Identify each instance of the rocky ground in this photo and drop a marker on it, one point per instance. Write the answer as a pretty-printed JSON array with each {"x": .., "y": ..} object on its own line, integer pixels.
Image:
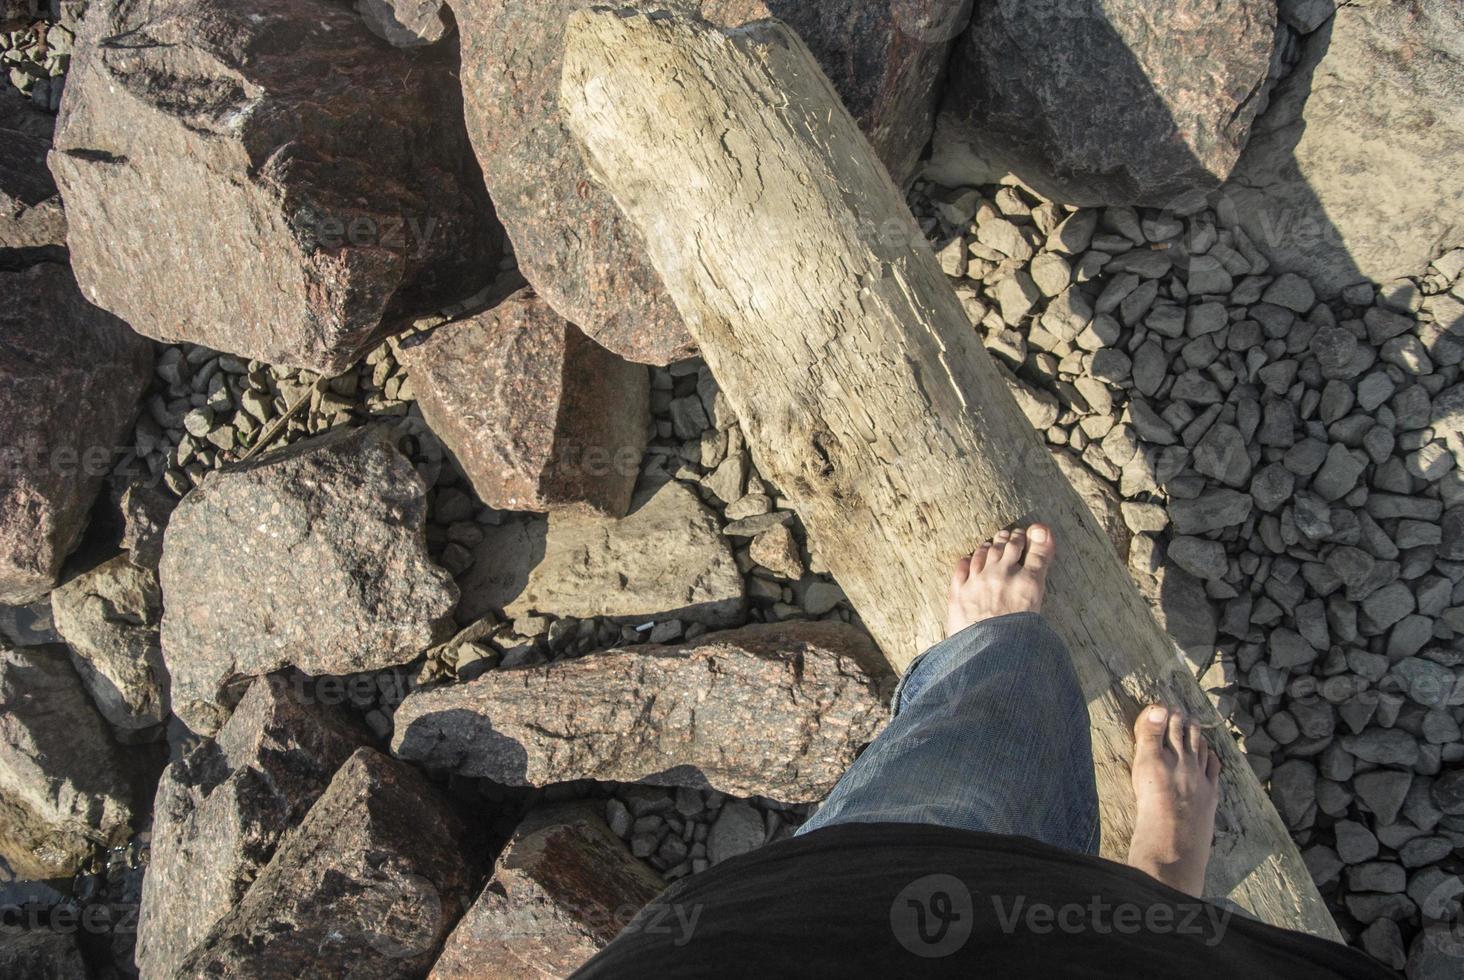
[{"x": 339, "y": 504}]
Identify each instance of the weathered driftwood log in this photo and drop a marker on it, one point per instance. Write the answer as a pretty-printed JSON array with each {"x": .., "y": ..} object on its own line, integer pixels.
[{"x": 865, "y": 394}]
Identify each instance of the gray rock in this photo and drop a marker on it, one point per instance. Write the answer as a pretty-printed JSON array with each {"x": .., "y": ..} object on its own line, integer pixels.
[
  {"x": 666, "y": 560},
  {"x": 405, "y": 23},
  {"x": 187, "y": 221},
  {"x": 70, "y": 379},
  {"x": 1291, "y": 292},
  {"x": 770, "y": 710},
  {"x": 1201, "y": 558},
  {"x": 1211, "y": 511},
  {"x": 737, "y": 830},
  {"x": 41, "y": 953},
  {"x": 1377, "y": 876},
  {"x": 1294, "y": 790},
  {"x": 1040, "y": 117},
  {"x": 1272, "y": 487},
  {"x": 540, "y": 417},
  {"x": 65, "y": 785},
  {"x": 1223, "y": 456},
  {"x": 1312, "y": 192},
  {"x": 560, "y": 891},
  {"x": 1355, "y": 843},
  {"x": 222, "y": 809},
  {"x": 367, "y": 885},
  {"x": 1339, "y": 474},
  {"x": 330, "y": 571},
  {"x": 109, "y": 617},
  {"x": 1388, "y": 605},
  {"x": 1307, "y": 15},
  {"x": 1289, "y": 649},
  {"x": 31, "y": 216},
  {"x": 1383, "y": 792}
]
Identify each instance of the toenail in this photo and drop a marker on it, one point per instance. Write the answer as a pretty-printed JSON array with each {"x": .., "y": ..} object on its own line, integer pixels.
[
  {"x": 1156, "y": 713},
  {"x": 1039, "y": 533}
]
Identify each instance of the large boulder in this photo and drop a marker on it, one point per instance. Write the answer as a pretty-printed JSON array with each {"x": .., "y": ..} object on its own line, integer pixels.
[
  {"x": 573, "y": 243},
  {"x": 540, "y": 417},
  {"x": 561, "y": 890},
  {"x": 313, "y": 556},
  {"x": 221, "y": 810},
  {"x": 368, "y": 885},
  {"x": 65, "y": 786},
  {"x": 70, "y": 379},
  {"x": 1123, "y": 102},
  {"x": 777, "y": 710},
  {"x": 1354, "y": 172},
  {"x": 30, "y": 210},
  {"x": 268, "y": 179},
  {"x": 109, "y": 617},
  {"x": 40, "y": 954},
  {"x": 666, "y": 560}
]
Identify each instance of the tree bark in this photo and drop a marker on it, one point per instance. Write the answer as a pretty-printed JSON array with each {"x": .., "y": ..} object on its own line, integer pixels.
[{"x": 865, "y": 394}]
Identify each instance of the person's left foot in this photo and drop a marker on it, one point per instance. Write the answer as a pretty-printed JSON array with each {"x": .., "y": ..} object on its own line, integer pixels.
[{"x": 1007, "y": 574}]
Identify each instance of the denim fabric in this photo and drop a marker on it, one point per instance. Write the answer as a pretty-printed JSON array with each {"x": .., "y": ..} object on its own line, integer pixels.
[{"x": 990, "y": 733}]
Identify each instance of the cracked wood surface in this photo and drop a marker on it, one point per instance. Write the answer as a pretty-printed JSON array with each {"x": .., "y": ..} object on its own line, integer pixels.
[{"x": 865, "y": 393}]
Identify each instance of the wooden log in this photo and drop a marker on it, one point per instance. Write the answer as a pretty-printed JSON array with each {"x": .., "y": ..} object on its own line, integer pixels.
[{"x": 865, "y": 394}]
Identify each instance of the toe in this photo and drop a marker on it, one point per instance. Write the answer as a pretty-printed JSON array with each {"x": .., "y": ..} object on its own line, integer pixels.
[
  {"x": 1212, "y": 767},
  {"x": 1150, "y": 729},
  {"x": 960, "y": 573},
  {"x": 1011, "y": 556},
  {"x": 998, "y": 547},
  {"x": 1177, "y": 732},
  {"x": 1194, "y": 738},
  {"x": 1040, "y": 549},
  {"x": 980, "y": 556}
]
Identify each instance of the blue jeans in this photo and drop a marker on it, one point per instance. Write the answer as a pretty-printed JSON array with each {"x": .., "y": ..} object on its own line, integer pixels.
[{"x": 990, "y": 733}]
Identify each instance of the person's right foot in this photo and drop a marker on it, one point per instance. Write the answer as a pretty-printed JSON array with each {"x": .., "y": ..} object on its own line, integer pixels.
[{"x": 1176, "y": 778}]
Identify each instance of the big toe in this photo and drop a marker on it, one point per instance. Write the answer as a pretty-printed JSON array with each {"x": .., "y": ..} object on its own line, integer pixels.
[{"x": 1041, "y": 547}]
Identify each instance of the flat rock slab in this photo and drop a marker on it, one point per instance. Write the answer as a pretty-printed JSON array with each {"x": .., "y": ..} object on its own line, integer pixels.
[
  {"x": 369, "y": 885},
  {"x": 540, "y": 417},
  {"x": 1378, "y": 94},
  {"x": 109, "y": 617},
  {"x": 1124, "y": 102},
  {"x": 311, "y": 190},
  {"x": 70, "y": 379},
  {"x": 561, "y": 890},
  {"x": 313, "y": 556},
  {"x": 666, "y": 560},
  {"x": 65, "y": 786},
  {"x": 770, "y": 710},
  {"x": 221, "y": 810},
  {"x": 884, "y": 57},
  {"x": 30, "y": 210}
]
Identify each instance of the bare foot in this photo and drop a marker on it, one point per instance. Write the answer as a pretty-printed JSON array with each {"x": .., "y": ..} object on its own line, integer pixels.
[
  {"x": 1177, "y": 783},
  {"x": 1007, "y": 574}
]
